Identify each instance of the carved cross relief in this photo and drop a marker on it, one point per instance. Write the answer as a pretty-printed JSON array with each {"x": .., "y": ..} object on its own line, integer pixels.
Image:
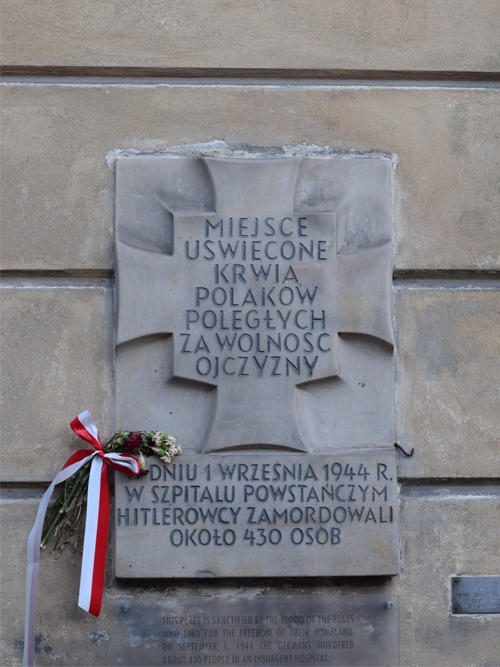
[{"x": 254, "y": 267}]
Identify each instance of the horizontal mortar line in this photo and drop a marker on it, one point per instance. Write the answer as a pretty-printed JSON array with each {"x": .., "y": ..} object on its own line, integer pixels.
[
  {"x": 53, "y": 280},
  {"x": 20, "y": 499},
  {"x": 105, "y": 278},
  {"x": 268, "y": 84},
  {"x": 321, "y": 74},
  {"x": 446, "y": 274},
  {"x": 400, "y": 275},
  {"x": 448, "y": 285},
  {"x": 15, "y": 492},
  {"x": 57, "y": 273},
  {"x": 56, "y": 284},
  {"x": 450, "y": 496},
  {"x": 447, "y": 279},
  {"x": 448, "y": 481},
  {"x": 9, "y": 486},
  {"x": 445, "y": 488}
]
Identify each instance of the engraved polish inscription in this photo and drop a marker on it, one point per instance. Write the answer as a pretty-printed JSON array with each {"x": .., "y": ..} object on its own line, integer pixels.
[
  {"x": 260, "y": 515},
  {"x": 254, "y": 324},
  {"x": 254, "y": 276}
]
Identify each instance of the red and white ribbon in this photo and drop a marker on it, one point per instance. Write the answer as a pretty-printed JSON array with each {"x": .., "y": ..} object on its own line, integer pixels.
[{"x": 96, "y": 525}]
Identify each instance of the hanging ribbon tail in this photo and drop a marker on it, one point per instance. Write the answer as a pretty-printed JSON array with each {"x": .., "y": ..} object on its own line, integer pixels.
[
  {"x": 96, "y": 525},
  {"x": 34, "y": 554},
  {"x": 95, "y": 540}
]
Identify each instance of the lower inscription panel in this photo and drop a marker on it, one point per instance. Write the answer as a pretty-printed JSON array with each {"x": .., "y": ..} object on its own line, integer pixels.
[
  {"x": 320, "y": 630},
  {"x": 260, "y": 514}
]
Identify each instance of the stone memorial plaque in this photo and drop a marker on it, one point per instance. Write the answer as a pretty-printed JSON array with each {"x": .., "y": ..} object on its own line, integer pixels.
[
  {"x": 260, "y": 514},
  {"x": 254, "y": 317},
  {"x": 339, "y": 630},
  {"x": 475, "y": 595}
]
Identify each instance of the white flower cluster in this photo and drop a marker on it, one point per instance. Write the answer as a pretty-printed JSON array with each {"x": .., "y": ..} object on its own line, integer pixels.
[{"x": 165, "y": 447}]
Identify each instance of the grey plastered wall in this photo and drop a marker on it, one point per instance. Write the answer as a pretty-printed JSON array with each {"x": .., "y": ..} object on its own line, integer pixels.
[{"x": 406, "y": 81}]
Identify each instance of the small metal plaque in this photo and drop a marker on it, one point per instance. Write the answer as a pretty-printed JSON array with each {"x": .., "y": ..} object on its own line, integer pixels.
[
  {"x": 258, "y": 514},
  {"x": 475, "y": 595},
  {"x": 322, "y": 630}
]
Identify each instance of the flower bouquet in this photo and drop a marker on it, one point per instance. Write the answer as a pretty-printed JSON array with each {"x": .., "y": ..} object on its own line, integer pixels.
[
  {"x": 86, "y": 492},
  {"x": 64, "y": 520}
]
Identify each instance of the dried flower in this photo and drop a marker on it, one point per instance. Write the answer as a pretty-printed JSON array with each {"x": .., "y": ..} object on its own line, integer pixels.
[{"x": 134, "y": 441}]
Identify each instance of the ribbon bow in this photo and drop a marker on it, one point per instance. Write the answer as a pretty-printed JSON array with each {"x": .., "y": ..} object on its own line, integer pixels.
[{"x": 96, "y": 525}]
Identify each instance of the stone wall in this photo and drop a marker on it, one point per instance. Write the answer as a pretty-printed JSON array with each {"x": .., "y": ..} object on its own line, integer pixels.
[{"x": 416, "y": 80}]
